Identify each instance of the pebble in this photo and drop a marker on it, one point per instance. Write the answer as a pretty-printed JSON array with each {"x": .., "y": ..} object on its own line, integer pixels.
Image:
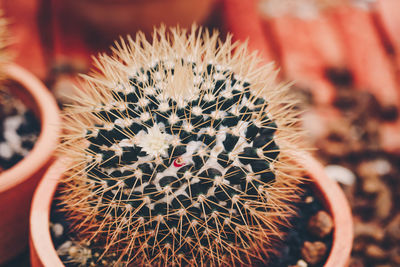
[
  {"x": 300, "y": 263},
  {"x": 382, "y": 166},
  {"x": 371, "y": 230},
  {"x": 359, "y": 245},
  {"x": 309, "y": 199},
  {"x": 356, "y": 262},
  {"x": 383, "y": 202},
  {"x": 320, "y": 224},
  {"x": 371, "y": 185},
  {"x": 64, "y": 248},
  {"x": 57, "y": 229},
  {"x": 376, "y": 167},
  {"x": 313, "y": 252},
  {"x": 395, "y": 255},
  {"x": 341, "y": 140},
  {"x": 375, "y": 252},
  {"x": 340, "y": 174},
  {"x": 73, "y": 251},
  {"x": 393, "y": 229},
  {"x": 6, "y": 151},
  {"x": 11, "y": 125}
]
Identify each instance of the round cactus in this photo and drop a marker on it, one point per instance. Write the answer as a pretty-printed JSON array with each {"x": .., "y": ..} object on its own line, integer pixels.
[{"x": 180, "y": 153}]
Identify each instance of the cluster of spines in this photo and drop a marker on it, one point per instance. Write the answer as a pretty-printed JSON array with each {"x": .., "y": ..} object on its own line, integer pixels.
[{"x": 176, "y": 161}]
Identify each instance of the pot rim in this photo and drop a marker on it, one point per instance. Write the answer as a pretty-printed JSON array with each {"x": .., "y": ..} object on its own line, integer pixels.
[
  {"x": 336, "y": 202},
  {"x": 334, "y": 199},
  {"x": 48, "y": 138},
  {"x": 41, "y": 244}
]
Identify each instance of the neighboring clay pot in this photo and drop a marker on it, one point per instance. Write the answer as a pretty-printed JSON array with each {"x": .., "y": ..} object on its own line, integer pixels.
[
  {"x": 18, "y": 183},
  {"x": 44, "y": 254},
  {"x": 243, "y": 21},
  {"x": 26, "y": 45},
  {"x": 120, "y": 17}
]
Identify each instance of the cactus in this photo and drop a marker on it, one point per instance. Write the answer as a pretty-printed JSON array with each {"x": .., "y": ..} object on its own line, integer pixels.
[{"x": 180, "y": 153}]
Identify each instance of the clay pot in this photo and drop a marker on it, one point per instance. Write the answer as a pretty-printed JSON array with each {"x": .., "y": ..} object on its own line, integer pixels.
[
  {"x": 26, "y": 45},
  {"x": 18, "y": 183},
  {"x": 334, "y": 200},
  {"x": 120, "y": 17},
  {"x": 243, "y": 20},
  {"x": 43, "y": 252}
]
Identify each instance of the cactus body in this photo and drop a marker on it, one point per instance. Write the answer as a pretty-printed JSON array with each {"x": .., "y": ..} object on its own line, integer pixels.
[{"x": 179, "y": 153}]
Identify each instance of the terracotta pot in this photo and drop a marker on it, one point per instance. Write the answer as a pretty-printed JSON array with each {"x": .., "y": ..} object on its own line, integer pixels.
[
  {"x": 18, "y": 183},
  {"x": 120, "y": 17},
  {"x": 243, "y": 21},
  {"x": 26, "y": 43},
  {"x": 43, "y": 252}
]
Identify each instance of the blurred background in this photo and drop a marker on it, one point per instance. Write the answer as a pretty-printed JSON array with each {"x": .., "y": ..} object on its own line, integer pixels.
[{"x": 343, "y": 56}]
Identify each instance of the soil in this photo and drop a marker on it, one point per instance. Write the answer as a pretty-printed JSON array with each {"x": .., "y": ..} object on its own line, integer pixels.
[{"x": 309, "y": 238}]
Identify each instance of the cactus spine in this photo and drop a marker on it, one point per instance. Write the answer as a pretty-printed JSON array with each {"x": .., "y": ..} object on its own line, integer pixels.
[{"x": 179, "y": 153}]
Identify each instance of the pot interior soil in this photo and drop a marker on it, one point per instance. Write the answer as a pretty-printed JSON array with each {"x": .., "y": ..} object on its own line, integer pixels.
[
  {"x": 19, "y": 128},
  {"x": 308, "y": 239}
]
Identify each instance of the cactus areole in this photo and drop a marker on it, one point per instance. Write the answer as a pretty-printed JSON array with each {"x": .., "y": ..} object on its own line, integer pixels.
[{"x": 179, "y": 153}]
